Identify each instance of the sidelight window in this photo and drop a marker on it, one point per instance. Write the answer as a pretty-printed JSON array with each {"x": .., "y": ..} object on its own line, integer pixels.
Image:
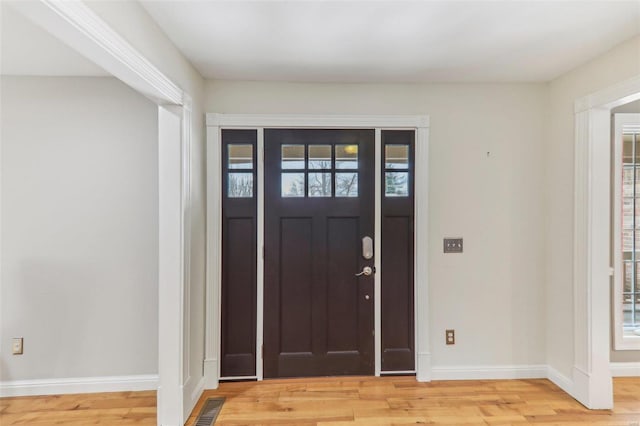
[
  {"x": 240, "y": 166},
  {"x": 627, "y": 232},
  {"x": 396, "y": 175}
]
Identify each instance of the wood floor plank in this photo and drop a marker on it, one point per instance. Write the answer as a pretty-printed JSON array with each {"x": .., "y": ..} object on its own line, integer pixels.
[{"x": 345, "y": 401}]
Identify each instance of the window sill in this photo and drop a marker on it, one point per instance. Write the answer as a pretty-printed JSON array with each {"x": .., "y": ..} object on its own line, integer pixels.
[{"x": 628, "y": 342}]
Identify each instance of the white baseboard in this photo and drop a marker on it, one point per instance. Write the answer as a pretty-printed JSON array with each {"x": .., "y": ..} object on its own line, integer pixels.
[
  {"x": 489, "y": 372},
  {"x": 625, "y": 369},
  {"x": 211, "y": 373},
  {"x": 560, "y": 380},
  {"x": 192, "y": 395},
  {"x": 79, "y": 385}
]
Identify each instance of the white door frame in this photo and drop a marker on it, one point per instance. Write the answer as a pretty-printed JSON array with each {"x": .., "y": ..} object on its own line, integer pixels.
[
  {"x": 79, "y": 27},
  {"x": 592, "y": 384},
  {"x": 215, "y": 123}
]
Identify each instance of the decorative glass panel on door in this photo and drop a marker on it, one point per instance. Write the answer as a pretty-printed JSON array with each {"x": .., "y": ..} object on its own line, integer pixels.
[
  {"x": 319, "y": 156},
  {"x": 292, "y": 184},
  {"x": 396, "y": 157},
  {"x": 240, "y": 185},
  {"x": 319, "y": 184},
  {"x": 240, "y": 156},
  {"x": 346, "y": 156},
  {"x": 293, "y": 157},
  {"x": 347, "y": 184}
]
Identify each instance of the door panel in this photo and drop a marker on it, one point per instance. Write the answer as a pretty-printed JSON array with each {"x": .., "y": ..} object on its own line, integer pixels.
[
  {"x": 239, "y": 254},
  {"x": 319, "y": 203},
  {"x": 398, "y": 342}
]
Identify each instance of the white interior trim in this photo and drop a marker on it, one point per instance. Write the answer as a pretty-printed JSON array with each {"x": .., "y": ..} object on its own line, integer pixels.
[
  {"x": 489, "y": 372},
  {"x": 79, "y": 27},
  {"x": 377, "y": 259},
  {"x": 143, "y": 382},
  {"x": 260, "y": 256},
  {"x": 625, "y": 369},
  {"x": 215, "y": 122},
  {"x": 592, "y": 384},
  {"x": 421, "y": 255},
  {"x": 214, "y": 259},
  {"x": 621, "y": 342}
]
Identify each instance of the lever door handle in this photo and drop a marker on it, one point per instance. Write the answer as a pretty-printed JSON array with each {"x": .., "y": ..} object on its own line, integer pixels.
[{"x": 366, "y": 271}]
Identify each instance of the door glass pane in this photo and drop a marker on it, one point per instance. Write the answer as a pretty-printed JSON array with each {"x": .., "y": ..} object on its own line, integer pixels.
[
  {"x": 293, "y": 156},
  {"x": 627, "y": 181},
  {"x": 319, "y": 184},
  {"x": 319, "y": 156},
  {"x": 240, "y": 157},
  {"x": 396, "y": 156},
  {"x": 346, "y": 156},
  {"x": 292, "y": 184},
  {"x": 240, "y": 185},
  {"x": 347, "y": 184},
  {"x": 396, "y": 184}
]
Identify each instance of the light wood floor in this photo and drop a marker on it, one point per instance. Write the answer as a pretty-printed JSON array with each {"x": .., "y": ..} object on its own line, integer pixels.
[{"x": 345, "y": 401}]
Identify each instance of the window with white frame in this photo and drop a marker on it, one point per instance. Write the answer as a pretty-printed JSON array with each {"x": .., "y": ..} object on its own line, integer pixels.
[{"x": 626, "y": 221}]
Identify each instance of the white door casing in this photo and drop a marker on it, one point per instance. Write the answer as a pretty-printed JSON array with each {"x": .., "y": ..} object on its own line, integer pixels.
[{"x": 592, "y": 384}]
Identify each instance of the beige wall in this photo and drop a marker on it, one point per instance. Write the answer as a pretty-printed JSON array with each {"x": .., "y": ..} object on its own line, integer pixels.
[
  {"x": 486, "y": 157},
  {"x": 619, "y": 64},
  {"x": 79, "y": 229}
]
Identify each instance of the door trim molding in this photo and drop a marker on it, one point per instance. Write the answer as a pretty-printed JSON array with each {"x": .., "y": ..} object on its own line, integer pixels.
[
  {"x": 215, "y": 122},
  {"x": 592, "y": 384}
]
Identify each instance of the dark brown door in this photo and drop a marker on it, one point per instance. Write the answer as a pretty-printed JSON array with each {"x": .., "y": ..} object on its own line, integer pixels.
[{"x": 319, "y": 204}]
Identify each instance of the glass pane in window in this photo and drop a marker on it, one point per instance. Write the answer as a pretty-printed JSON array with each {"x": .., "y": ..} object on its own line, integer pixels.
[
  {"x": 240, "y": 185},
  {"x": 627, "y": 240},
  {"x": 347, "y": 184},
  {"x": 240, "y": 156},
  {"x": 292, "y": 184},
  {"x": 627, "y": 275},
  {"x": 293, "y": 156},
  {"x": 319, "y": 156},
  {"x": 627, "y": 181},
  {"x": 396, "y": 156},
  {"x": 627, "y": 148},
  {"x": 396, "y": 184},
  {"x": 627, "y": 212},
  {"x": 319, "y": 184},
  {"x": 346, "y": 156}
]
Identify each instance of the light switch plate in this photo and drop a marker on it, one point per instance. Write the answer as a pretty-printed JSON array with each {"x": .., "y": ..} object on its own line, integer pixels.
[
  {"x": 453, "y": 245},
  {"x": 16, "y": 345}
]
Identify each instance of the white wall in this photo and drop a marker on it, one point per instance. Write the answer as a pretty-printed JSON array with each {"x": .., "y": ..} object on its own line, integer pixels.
[
  {"x": 486, "y": 185},
  {"x": 79, "y": 228},
  {"x": 132, "y": 22},
  {"x": 617, "y": 65}
]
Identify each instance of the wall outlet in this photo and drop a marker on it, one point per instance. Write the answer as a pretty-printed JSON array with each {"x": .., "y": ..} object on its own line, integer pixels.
[
  {"x": 453, "y": 245},
  {"x": 450, "y": 337},
  {"x": 16, "y": 345}
]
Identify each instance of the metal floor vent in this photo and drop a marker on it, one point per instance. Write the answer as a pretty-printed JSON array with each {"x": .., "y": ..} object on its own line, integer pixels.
[{"x": 209, "y": 412}]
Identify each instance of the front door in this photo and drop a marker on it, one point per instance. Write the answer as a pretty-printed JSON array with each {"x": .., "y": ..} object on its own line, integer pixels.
[{"x": 319, "y": 205}]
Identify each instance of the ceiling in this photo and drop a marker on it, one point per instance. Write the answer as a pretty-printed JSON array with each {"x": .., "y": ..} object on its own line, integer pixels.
[
  {"x": 27, "y": 49},
  {"x": 356, "y": 41},
  {"x": 393, "y": 41}
]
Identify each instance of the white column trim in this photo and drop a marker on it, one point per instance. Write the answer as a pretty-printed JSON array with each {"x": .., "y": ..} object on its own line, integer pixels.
[{"x": 215, "y": 122}]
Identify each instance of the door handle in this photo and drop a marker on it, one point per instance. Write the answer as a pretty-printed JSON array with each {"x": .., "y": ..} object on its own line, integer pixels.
[{"x": 366, "y": 271}]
